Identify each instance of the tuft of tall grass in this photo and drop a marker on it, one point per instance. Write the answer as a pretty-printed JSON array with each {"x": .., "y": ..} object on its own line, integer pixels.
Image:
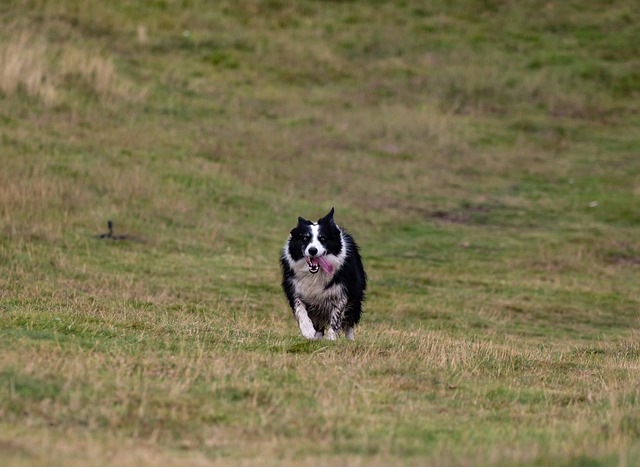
[
  {"x": 23, "y": 67},
  {"x": 47, "y": 71}
]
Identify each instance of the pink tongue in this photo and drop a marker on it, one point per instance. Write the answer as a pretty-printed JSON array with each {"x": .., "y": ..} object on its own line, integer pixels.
[{"x": 326, "y": 266}]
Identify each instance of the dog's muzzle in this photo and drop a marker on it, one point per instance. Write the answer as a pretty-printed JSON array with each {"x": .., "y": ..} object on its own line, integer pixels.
[
  {"x": 316, "y": 262},
  {"x": 314, "y": 267}
]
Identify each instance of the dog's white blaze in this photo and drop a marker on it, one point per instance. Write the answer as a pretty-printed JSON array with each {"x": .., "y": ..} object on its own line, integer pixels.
[{"x": 315, "y": 242}]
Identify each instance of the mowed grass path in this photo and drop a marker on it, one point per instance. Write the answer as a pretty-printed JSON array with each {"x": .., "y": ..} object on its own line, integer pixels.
[{"x": 485, "y": 155}]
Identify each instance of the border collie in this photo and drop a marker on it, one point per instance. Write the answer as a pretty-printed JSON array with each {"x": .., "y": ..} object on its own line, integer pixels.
[{"x": 323, "y": 278}]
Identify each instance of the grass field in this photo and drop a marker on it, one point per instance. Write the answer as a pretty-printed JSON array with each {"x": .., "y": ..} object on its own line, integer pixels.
[{"x": 485, "y": 155}]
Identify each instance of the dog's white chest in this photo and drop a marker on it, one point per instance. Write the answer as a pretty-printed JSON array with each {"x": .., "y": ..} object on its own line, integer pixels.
[{"x": 313, "y": 287}]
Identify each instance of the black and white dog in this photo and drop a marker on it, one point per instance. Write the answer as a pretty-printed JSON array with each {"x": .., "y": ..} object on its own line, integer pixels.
[{"x": 323, "y": 278}]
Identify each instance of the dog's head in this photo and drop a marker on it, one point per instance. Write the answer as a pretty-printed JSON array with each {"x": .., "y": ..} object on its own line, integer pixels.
[{"x": 317, "y": 242}]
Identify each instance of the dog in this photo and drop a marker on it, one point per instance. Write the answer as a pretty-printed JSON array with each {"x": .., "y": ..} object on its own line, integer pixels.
[{"x": 323, "y": 278}]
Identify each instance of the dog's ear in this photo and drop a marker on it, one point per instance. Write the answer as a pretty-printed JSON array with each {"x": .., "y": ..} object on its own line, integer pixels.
[
  {"x": 302, "y": 221},
  {"x": 328, "y": 219}
]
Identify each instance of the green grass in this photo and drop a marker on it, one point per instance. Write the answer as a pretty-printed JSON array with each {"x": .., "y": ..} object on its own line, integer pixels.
[{"x": 484, "y": 154}]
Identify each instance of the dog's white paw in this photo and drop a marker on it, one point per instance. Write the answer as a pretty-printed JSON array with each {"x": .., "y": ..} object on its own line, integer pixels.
[
  {"x": 330, "y": 335},
  {"x": 307, "y": 329}
]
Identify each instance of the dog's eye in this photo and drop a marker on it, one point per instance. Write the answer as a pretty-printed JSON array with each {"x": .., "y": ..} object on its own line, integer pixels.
[
  {"x": 305, "y": 237},
  {"x": 322, "y": 238}
]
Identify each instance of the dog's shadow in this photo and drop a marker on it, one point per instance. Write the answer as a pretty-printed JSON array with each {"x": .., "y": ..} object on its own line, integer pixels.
[
  {"x": 309, "y": 346},
  {"x": 109, "y": 235}
]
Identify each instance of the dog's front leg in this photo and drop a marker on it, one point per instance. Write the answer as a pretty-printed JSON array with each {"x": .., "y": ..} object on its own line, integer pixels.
[
  {"x": 337, "y": 314},
  {"x": 305, "y": 324}
]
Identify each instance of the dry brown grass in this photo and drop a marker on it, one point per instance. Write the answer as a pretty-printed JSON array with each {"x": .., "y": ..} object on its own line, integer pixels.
[
  {"x": 23, "y": 67},
  {"x": 31, "y": 64},
  {"x": 30, "y": 195},
  {"x": 388, "y": 382}
]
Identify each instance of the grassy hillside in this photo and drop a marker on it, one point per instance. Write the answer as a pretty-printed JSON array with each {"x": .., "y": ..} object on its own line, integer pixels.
[{"x": 485, "y": 155}]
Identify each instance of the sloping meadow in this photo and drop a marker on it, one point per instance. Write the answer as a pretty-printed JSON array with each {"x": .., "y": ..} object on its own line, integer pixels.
[{"x": 485, "y": 156}]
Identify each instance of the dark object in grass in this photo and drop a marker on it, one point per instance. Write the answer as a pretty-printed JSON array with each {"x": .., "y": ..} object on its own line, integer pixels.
[{"x": 111, "y": 236}]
